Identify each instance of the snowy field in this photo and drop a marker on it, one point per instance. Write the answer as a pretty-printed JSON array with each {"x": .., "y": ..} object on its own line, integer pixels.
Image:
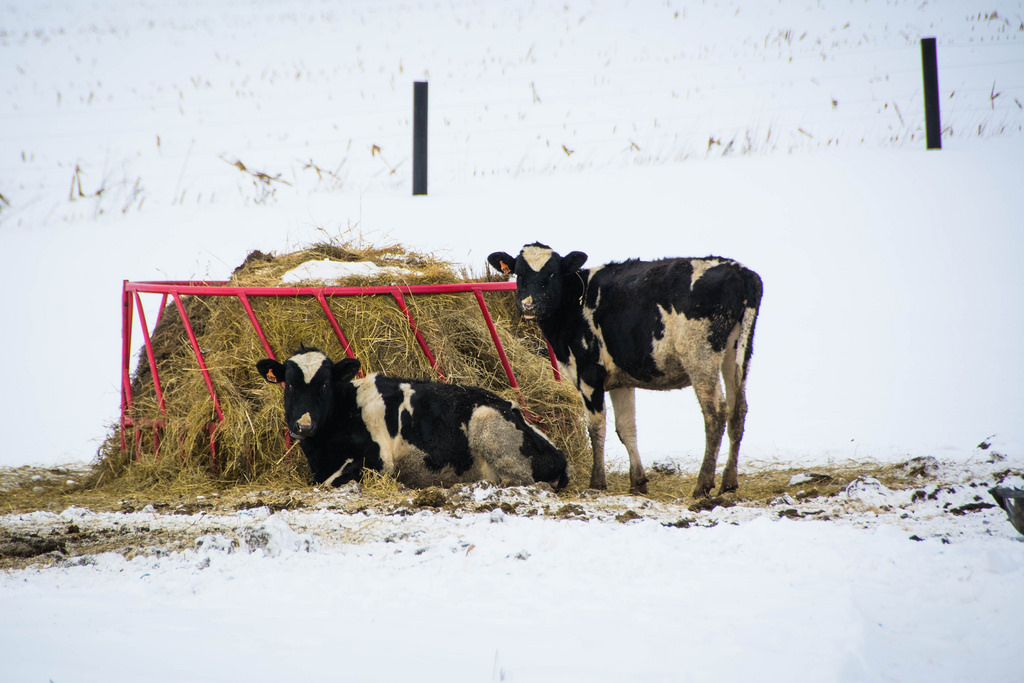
[
  {"x": 786, "y": 135},
  {"x": 870, "y": 585}
]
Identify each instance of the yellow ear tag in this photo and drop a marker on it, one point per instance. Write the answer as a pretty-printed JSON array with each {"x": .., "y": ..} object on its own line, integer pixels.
[
  {"x": 504, "y": 268},
  {"x": 271, "y": 377}
]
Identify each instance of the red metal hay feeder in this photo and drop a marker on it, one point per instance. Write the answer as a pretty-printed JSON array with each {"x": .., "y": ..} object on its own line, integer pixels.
[{"x": 175, "y": 290}]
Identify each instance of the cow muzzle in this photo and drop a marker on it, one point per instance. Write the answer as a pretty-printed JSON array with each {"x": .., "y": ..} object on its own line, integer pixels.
[
  {"x": 528, "y": 309},
  {"x": 302, "y": 427}
]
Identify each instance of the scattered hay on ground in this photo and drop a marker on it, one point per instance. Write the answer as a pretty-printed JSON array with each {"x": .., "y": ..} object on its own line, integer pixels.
[
  {"x": 761, "y": 483},
  {"x": 158, "y": 517},
  {"x": 26, "y": 489}
]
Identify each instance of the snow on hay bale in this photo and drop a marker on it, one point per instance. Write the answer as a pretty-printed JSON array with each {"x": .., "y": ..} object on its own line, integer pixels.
[{"x": 250, "y": 442}]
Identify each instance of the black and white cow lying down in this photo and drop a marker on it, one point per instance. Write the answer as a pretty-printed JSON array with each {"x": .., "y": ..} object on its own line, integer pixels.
[
  {"x": 662, "y": 324},
  {"x": 427, "y": 433}
]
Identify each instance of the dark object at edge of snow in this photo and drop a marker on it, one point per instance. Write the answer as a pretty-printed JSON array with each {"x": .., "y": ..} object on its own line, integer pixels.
[{"x": 1011, "y": 500}]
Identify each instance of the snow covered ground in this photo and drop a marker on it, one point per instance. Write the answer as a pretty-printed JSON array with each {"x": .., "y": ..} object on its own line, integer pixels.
[
  {"x": 787, "y": 135},
  {"x": 519, "y": 585}
]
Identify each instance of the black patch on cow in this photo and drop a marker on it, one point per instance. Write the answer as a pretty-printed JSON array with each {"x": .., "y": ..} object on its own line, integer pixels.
[
  {"x": 440, "y": 413},
  {"x": 343, "y": 437},
  {"x": 393, "y": 398},
  {"x": 720, "y": 296},
  {"x": 626, "y": 296},
  {"x": 548, "y": 463}
]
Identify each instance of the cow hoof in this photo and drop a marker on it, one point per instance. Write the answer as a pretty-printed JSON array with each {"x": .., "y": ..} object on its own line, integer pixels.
[
  {"x": 702, "y": 491},
  {"x": 598, "y": 483},
  {"x": 639, "y": 487},
  {"x": 728, "y": 489}
]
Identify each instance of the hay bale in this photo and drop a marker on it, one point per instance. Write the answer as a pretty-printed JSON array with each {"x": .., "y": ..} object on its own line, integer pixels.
[{"x": 250, "y": 442}]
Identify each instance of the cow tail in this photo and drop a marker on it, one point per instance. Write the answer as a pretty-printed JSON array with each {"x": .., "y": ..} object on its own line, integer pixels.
[{"x": 745, "y": 343}]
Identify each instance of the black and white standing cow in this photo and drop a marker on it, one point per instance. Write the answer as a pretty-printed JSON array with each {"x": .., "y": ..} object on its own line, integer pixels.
[
  {"x": 662, "y": 324},
  {"x": 427, "y": 433}
]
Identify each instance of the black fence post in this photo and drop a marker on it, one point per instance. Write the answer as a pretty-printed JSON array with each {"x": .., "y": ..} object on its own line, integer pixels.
[
  {"x": 932, "y": 124},
  {"x": 419, "y": 137}
]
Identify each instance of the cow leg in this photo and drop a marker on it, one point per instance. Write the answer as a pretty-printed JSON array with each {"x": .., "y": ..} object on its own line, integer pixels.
[
  {"x": 624, "y": 406},
  {"x": 712, "y": 405},
  {"x": 736, "y": 407},
  {"x": 596, "y": 428}
]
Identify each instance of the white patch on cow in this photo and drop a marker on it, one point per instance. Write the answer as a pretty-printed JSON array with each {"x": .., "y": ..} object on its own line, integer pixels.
[
  {"x": 746, "y": 331},
  {"x": 615, "y": 376},
  {"x": 330, "y": 479},
  {"x": 588, "y": 316},
  {"x": 597, "y": 297},
  {"x": 515, "y": 407},
  {"x": 407, "y": 392},
  {"x": 536, "y": 257},
  {"x": 538, "y": 432},
  {"x": 586, "y": 390},
  {"x": 309, "y": 363},
  {"x": 568, "y": 369},
  {"x": 478, "y": 422},
  {"x": 496, "y": 444},
  {"x": 701, "y": 266},
  {"x": 684, "y": 349},
  {"x": 611, "y": 367},
  {"x": 371, "y": 407}
]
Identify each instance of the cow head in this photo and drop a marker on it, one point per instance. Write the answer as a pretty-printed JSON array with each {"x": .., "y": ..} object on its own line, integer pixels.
[
  {"x": 540, "y": 272},
  {"x": 310, "y": 382}
]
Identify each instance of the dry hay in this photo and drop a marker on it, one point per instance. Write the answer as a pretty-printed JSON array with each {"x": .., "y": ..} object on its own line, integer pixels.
[
  {"x": 761, "y": 482},
  {"x": 26, "y": 489},
  {"x": 250, "y": 442}
]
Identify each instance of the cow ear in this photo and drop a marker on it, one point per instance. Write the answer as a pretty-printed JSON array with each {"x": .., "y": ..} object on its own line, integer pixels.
[
  {"x": 346, "y": 369},
  {"x": 573, "y": 261},
  {"x": 502, "y": 262},
  {"x": 271, "y": 370}
]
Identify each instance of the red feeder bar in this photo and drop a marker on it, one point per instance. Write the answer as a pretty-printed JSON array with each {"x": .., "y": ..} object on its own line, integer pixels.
[{"x": 130, "y": 299}]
